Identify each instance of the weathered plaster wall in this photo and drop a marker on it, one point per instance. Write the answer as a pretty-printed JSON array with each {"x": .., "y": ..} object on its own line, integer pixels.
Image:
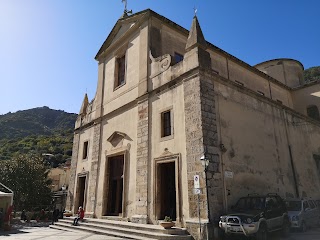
[
  {"x": 117, "y": 97},
  {"x": 254, "y": 135},
  {"x": 84, "y": 165},
  {"x": 287, "y": 71},
  {"x": 302, "y": 98},
  {"x": 172, "y": 41},
  {"x": 170, "y": 99},
  {"x": 128, "y": 146}
]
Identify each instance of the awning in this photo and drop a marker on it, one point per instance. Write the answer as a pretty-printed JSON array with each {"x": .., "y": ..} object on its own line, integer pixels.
[
  {"x": 8, "y": 193},
  {"x": 3, "y": 194}
]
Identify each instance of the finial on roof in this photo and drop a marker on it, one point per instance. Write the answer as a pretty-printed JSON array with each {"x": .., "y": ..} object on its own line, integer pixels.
[
  {"x": 196, "y": 37},
  {"x": 85, "y": 103},
  {"x": 125, "y": 11},
  {"x": 195, "y": 11}
]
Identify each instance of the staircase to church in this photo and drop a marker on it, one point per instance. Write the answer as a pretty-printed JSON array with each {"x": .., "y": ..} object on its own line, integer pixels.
[{"x": 122, "y": 229}]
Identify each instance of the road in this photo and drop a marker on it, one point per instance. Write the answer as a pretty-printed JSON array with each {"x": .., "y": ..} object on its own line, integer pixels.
[{"x": 311, "y": 234}]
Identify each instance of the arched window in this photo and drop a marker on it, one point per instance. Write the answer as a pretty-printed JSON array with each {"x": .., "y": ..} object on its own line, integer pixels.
[{"x": 313, "y": 112}]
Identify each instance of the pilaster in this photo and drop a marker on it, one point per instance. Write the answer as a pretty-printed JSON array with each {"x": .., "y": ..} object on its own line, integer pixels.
[
  {"x": 142, "y": 163},
  {"x": 73, "y": 172},
  {"x": 93, "y": 179}
]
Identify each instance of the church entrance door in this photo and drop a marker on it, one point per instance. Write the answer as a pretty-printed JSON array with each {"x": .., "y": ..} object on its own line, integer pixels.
[
  {"x": 81, "y": 192},
  {"x": 115, "y": 187},
  {"x": 167, "y": 190}
]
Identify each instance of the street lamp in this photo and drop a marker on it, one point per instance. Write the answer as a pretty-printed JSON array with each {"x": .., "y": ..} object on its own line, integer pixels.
[{"x": 205, "y": 163}]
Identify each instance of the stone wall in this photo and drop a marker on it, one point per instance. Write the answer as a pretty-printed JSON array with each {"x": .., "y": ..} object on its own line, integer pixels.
[
  {"x": 73, "y": 173},
  {"x": 202, "y": 138},
  {"x": 93, "y": 178},
  {"x": 142, "y": 164}
]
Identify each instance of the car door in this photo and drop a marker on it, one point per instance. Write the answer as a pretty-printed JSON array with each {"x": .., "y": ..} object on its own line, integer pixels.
[
  {"x": 313, "y": 212},
  {"x": 278, "y": 208},
  {"x": 271, "y": 212},
  {"x": 307, "y": 213}
]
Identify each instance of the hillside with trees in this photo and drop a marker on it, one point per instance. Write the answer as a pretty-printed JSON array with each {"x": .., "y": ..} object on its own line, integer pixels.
[
  {"x": 41, "y": 131},
  {"x": 312, "y": 74}
]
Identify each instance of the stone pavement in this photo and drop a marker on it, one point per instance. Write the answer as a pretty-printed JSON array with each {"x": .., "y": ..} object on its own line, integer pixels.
[{"x": 46, "y": 233}]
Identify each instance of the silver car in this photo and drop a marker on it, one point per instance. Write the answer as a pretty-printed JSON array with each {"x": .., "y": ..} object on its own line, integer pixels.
[{"x": 303, "y": 213}]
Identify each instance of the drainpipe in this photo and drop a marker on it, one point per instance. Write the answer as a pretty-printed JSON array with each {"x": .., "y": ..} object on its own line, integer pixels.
[{"x": 290, "y": 153}]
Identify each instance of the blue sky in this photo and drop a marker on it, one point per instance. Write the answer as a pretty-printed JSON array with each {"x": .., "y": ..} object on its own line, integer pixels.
[{"x": 47, "y": 47}]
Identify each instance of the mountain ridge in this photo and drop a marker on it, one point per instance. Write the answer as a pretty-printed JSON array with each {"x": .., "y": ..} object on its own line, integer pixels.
[
  {"x": 41, "y": 131},
  {"x": 38, "y": 121}
]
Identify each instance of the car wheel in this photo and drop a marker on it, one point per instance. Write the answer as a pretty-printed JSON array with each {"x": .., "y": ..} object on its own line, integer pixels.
[
  {"x": 303, "y": 227},
  {"x": 262, "y": 233},
  {"x": 285, "y": 228}
]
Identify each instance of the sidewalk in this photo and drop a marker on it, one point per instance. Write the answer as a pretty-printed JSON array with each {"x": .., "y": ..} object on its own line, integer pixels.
[{"x": 42, "y": 231}]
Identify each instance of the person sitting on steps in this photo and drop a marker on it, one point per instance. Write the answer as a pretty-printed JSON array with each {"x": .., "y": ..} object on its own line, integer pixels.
[{"x": 80, "y": 216}]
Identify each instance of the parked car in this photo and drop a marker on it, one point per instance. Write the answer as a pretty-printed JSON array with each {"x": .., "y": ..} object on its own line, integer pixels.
[
  {"x": 256, "y": 215},
  {"x": 303, "y": 213}
]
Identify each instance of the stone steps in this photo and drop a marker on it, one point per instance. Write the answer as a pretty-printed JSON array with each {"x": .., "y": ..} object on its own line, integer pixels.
[{"x": 124, "y": 229}]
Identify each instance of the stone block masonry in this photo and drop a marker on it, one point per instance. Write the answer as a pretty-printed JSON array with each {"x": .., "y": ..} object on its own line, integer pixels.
[
  {"x": 93, "y": 178},
  {"x": 73, "y": 172},
  {"x": 142, "y": 164},
  {"x": 202, "y": 138}
]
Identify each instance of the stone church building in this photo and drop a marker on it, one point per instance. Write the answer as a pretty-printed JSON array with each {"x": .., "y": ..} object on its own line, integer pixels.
[{"x": 167, "y": 98}]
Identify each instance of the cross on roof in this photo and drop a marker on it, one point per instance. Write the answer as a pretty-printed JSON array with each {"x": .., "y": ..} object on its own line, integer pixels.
[
  {"x": 195, "y": 11},
  {"x": 125, "y": 5}
]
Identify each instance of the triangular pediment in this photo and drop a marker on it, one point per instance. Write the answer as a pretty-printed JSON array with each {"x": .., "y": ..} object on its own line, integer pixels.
[
  {"x": 116, "y": 138},
  {"x": 122, "y": 26}
]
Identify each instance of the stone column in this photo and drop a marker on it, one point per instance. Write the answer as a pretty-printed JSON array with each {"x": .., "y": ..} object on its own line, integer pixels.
[
  {"x": 142, "y": 164},
  {"x": 73, "y": 172}
]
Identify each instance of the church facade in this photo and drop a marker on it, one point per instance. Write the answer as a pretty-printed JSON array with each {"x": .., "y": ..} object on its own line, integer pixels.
[{"x": 167, "y": 98}]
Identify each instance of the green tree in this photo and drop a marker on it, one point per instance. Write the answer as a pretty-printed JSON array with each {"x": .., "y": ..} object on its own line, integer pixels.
[{"x": 27, "y": 176}]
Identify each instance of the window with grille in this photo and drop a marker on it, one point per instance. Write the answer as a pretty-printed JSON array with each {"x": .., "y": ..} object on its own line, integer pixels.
[
  {"x": 120, "y": 71},
  {"x": 85, "y": 150},
  {"x": 166, "y": 129}
]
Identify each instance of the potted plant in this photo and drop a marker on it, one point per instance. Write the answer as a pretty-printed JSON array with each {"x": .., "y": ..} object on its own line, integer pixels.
[{"x": 167, "y": 223}]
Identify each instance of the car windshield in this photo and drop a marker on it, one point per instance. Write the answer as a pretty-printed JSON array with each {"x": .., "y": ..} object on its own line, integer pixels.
[
  {"x": 293, "y": 205},
  {"x": 250, "y": 203}
]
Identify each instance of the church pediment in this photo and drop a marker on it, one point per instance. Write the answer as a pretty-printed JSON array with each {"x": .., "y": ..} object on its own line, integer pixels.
[{"x": 122, "y": 26}]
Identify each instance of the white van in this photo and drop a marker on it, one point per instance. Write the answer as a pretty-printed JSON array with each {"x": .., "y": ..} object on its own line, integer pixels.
[{"x": 303, "y": 213}]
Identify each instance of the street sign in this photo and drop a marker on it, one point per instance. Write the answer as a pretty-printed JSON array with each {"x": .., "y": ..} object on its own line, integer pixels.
[
  {"x": 228, "y": 174},
  {"x": 196, "y": 181},
  {"x": 196, "y": 191}
]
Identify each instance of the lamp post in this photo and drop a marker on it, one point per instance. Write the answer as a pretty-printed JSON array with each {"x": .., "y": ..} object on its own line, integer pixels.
[{"x": 205, "y": 163}]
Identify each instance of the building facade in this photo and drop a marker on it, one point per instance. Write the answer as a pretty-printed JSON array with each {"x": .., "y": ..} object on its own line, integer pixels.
[{"x": 166, "y": 97}]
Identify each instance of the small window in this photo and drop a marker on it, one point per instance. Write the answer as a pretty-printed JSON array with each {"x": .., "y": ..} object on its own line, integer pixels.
[
  {"x": 313, "y": 112},
  {"x": 178, "y": 57},
  {"x": 120, "y": 71},
  {"x": 166, "y": 124},
  {"x": 261, "y": 93},
  {"x": 85, "y": 150}
]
